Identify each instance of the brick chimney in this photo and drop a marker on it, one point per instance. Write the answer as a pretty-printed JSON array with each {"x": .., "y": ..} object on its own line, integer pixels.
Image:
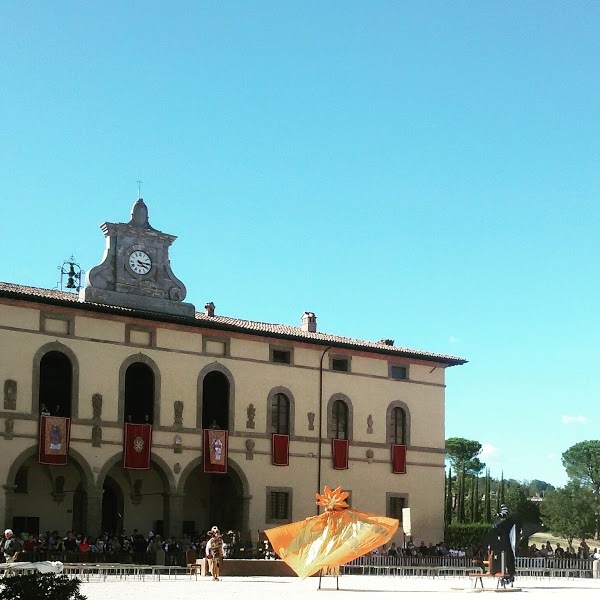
[
  {"x": 210, "y": 309},
  {"x": 309, "y": 322}
]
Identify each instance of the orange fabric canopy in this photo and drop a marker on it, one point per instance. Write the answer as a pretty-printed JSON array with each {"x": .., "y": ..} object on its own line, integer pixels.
[{"x": 331, "y": 539}]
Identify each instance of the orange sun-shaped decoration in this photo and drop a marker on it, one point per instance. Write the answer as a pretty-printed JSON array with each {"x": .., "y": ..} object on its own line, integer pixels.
[{"x": 333, "y": 500}]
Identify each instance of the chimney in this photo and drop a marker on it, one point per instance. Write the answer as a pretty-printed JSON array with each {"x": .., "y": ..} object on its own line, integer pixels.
[
  {"x": 387, "y": 342},
  {"x": 210, "y": 309},
  {"x": 309, "y": 322}
]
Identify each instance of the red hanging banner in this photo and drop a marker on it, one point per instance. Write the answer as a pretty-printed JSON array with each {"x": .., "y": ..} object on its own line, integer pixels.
[
  {"x": 137, "y": 446},
  {"x": 398, "y": 458},
  {"x": 340, "y": 454},
  {"x": 55, "y": 434},
  {"x": 280, "y": 449},
  {"x": 215, "y": 450}
]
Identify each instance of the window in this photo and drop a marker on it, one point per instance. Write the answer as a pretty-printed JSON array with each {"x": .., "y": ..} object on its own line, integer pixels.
[
  {"x": 281, "y": 356},
  {"x": 397, "y": 431},
  {"x": 139, "y": 394},
  {"x": 395, "y": 505},
  {"x": 215, "y": 346},
  {"x": 56, "y": 384},
  {"x": 280, "y": 414},
  {"x": 340, "y": 364},
  {"x": 139, "y": 336},
  {"x": 58, "y": 324},
  {"x": 279, "y": 505},
  {"x": 398, "y": 372},
  {"x": 339, "y": 420},
  {"x": 21, "y": 480}
]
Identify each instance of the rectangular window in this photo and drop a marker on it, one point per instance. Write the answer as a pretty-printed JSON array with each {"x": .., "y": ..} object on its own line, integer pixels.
[
  {"x": 217, "y": 347},
  {"x": 395, "y": 506},
  {"x": 58, "y": 324},
  {"x": 139, "y": 336},
  {"x": 281, "y": 356},
  {"x": 279, "y": 505},
  {"x": 339, "y": 364},
  {"x": 398, "y": 372}
]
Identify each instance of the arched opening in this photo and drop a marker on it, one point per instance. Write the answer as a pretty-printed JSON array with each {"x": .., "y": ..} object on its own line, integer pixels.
[
  {"x": 339, "y": 420},
  {"x": 212, "y": 499},
  {"x": 112, "y": 507},
  {"x": 280, "y": 414},
  {"x": 139, "y": 394},
  {"x": 45, "y": 497},
  {"x": 134, "y": 499},
  {"x": 215, "y": 401},
  {"x": 398, "y": 423},
  {"x": 56, "y": 384}
]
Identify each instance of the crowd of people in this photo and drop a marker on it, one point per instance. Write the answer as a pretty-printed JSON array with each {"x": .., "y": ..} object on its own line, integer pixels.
[
  {"x": 123, "y": 548},
  {"x": 546, "y": 551},
  {"x": 441, "y": 549}
]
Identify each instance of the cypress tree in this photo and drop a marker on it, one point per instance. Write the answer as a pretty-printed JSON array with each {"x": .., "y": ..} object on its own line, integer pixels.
[
  {"x": 448, "y": 511},
  {"x": 488, "y": 498}
]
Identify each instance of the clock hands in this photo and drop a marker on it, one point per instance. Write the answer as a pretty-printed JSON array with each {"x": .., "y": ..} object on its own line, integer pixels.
[{"x": 144, "y": 265}]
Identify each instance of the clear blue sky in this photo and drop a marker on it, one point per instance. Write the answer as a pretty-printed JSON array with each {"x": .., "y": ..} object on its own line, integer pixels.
[{"x": 425, "y": 171}]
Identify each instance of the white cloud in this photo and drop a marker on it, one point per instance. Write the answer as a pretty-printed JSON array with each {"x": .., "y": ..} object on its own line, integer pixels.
[
  {"x": 454, "y": 339},
  {"x": 489, "y": 452},
  {"x": 570, "y": 419}
]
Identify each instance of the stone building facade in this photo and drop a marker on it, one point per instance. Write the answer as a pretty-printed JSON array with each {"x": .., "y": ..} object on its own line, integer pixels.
[{"x": 129, "y": 348}]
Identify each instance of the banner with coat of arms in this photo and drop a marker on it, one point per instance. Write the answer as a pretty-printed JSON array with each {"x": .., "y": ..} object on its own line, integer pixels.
[
  {"x": 215, "y": 450},
  {"x": 55, "y": 434},
  {"x": 137, "y": 446}
]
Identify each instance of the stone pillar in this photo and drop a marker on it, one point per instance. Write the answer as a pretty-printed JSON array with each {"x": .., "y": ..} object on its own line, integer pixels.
[
  {"x": 246, "y": 512},
  {"x": 174, "y": 515},
  {"x": 9, "y": 499},
  {"x": 94, "y": 511}
]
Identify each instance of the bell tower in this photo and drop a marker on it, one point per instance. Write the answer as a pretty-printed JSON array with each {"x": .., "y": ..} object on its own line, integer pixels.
[{"x": 135, "y": 271}]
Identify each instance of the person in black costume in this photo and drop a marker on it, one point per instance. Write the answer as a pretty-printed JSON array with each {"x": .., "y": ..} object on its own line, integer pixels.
[{"x": 504, "y": 539}]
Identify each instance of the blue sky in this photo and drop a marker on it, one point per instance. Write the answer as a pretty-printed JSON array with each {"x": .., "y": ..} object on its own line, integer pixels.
[{"x": 425, "y": 171}]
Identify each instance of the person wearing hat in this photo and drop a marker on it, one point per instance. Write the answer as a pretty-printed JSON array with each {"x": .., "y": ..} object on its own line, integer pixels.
[
  {"x": 214, "y": 552},
  {"x": 10, "y": 546}
]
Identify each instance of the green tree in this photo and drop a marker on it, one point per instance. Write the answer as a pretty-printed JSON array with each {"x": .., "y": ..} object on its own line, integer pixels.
[
  {"x": 462, "y": 455},
  {"x": 582, "y": 462},
  {"x": 518, "y": 503},
  {"x": 536, "y": 487},
  {"x": 487, "y": 507},
  {"x": 448, "y": 507},
  {"x": 569, "y": 511}
]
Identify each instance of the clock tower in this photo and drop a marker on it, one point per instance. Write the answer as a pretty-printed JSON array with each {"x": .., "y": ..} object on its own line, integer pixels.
[{"x": 135, "y": 271}]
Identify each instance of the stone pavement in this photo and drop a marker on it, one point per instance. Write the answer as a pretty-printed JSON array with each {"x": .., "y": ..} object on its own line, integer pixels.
[{"x": 354, "y": 586}]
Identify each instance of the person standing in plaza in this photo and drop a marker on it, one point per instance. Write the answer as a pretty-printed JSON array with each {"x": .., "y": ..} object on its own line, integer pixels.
[
  {"x": 10, "y": 547},
  {"x": 214, "y": 552}
]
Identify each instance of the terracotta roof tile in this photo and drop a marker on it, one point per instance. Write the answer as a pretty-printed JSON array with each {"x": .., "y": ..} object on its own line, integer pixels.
[{"x": 229, "y": 323}]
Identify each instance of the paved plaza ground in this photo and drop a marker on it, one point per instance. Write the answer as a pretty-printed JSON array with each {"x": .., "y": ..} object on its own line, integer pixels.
[{"x": 351, "y": 586}]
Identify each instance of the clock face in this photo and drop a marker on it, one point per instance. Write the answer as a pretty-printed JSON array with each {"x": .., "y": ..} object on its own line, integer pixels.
[{"x": 140, "y": 262}]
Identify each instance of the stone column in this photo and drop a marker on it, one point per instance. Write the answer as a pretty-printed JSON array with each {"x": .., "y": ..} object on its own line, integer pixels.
[
  {"x": 174, "y": 515},
  {"x": 94, "y": 511},
  {"x": 9, "y": 499},
  {"x": 246, "y": 512}
]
